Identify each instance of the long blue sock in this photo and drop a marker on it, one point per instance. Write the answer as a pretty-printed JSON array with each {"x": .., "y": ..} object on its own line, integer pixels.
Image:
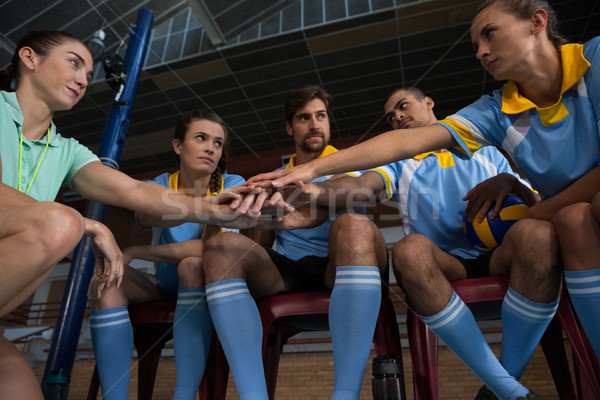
[
  {"x": 237, "y": 322},
  {"x": 584, "y": 289},
  {"x": 456, "y": 326},
  {"x": 192, "y": 331},
  {"x": 523, "y": 324},
  {"x": 353, "y": 311},
  {"x": 112, "y": 338}
]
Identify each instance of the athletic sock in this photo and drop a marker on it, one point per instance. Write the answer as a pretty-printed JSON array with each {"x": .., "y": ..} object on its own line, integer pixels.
[
  {"x": 238, "y": 325},
  {"x": 584, "y": 290},
  {"x": 353, "y": 311},
  {"x": 192, "y": 331},
  {"x": 523, "y": 324},
  {"x": 112, "y": 338},
  {"x": 456, "y": 326}
]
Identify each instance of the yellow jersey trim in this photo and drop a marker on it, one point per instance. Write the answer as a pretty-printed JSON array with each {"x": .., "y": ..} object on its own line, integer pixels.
[
  {"x": 445, "y": 159},
  {"x": 326, "y": 151},
  {"x": 574, "y": 65},
  {"x": 388, "y": 184},
  {"x": 464, "y": 134},
  {"x": 174, "y": 184}
]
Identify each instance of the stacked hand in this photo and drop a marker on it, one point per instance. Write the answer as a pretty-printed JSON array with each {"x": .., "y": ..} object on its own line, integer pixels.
[
  {"x": 283, "y": 177},
  {"x": 242, "y": 206}
]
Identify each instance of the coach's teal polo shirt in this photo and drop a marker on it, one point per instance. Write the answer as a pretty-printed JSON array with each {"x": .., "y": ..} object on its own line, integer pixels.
[{"x": 63, "y": 158}]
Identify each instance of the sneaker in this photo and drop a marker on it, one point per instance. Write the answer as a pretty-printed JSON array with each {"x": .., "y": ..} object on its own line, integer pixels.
[
  {"x": 530, "y": 396},
  {"x": 485, "y": 394}
]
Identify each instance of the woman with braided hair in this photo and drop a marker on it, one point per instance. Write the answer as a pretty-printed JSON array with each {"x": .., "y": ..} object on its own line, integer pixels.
[{"x": 200, "y": 145}]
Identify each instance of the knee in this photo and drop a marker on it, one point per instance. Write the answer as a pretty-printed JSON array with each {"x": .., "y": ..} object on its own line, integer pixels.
[
  {"x": 535, "y": 243},
  {"x": 111, "y": 296},
  {"x": 354, "y": 230},
  {"x": 569, "y": 220},
  {"x": 216, "y": 246},
  {"x": 575, "y": 227},
  {"x": 408, "y": 257},
  {"x": 221, "y": 253},
  {"x": 532, "y": 233},
  {"x": 190, "y": 271},
  {"x": 57, "y": 227},
  {"x": 596, "y": 207}
]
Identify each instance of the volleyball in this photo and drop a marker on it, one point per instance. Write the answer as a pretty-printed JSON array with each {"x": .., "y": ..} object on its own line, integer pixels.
[{"x": 490, "y": 232}]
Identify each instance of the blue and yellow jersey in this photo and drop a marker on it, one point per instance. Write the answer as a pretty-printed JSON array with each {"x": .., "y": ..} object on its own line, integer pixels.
[
  {"x": 299, "y": 243},
  {"x": 553, "y": 146},
  {"x": 428, "y": 191},
  {"x": 186, "y": 231}
]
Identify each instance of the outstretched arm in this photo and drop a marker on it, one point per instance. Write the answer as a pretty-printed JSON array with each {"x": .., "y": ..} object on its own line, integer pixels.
[
  {"x": 98, "y": 182},
  {"x": 304, "y": 217},
  {"x": 383, "y": 149},
  {"x": 340, "y": 191}
]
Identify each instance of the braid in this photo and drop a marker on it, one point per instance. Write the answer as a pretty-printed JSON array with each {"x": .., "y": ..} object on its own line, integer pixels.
[
  {"x": 214, "y": 186},
  {"x": 7, "y": 79}
]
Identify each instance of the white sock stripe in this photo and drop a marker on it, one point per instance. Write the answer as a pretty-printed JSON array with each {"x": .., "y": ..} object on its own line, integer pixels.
[
  {"x": 356, "y": 272},
  {"x": 584, "y": 290},
  {"x": 190, "y": 294},
  {"x": 191, "y": 301},
  {"x": 192, "y": 298},
  {"x": 441, "y": 315},
  {"x": 449, "y": 318},
  {"x": 111, "y": 323},
  {"x": 547, "y": 309},
  {"x": 104, "y": 316},
  {"x": 225, "y": 286},
  {"x": 376, "y": 282},
  {"x": 547, "y": 315},
  {"x": 586, "y": 279},
  {"x": 225, "y": 294}
]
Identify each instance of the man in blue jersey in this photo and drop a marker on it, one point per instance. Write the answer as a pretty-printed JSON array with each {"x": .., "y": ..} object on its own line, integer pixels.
[
  {"x": 429, "y": 190},
  {"x": 345, "y": 253}
]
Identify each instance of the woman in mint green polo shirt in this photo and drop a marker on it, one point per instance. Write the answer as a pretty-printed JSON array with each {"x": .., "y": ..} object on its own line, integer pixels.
[{"x": 49, "y": 72}]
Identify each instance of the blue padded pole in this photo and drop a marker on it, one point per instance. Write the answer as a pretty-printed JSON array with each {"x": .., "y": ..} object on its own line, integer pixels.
[{"x": 57, "y": 375}]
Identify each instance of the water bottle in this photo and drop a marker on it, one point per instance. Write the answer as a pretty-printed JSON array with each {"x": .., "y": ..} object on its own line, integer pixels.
[{"x": 388, "y": 378}]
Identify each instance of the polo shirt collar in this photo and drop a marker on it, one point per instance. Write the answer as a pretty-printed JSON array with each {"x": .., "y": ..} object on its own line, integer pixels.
[
  {"x": 422, "y": 155},
  {"x": 174, "y": 184},
  {"x": 14, "y": 110},
  {"x": 326, "y": 151},
  {"x": 574, "y": 65}
]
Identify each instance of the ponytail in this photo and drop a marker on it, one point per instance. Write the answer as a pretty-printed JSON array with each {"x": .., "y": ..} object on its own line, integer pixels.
[{"x": 8, "y": 81}]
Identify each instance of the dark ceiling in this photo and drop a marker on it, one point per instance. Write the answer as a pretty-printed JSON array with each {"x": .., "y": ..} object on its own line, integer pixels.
[{"x": 241, "y": 58}]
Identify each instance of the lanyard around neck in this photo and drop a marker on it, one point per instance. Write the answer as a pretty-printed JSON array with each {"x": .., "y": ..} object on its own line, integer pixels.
[{"x": 39, "y": 162}]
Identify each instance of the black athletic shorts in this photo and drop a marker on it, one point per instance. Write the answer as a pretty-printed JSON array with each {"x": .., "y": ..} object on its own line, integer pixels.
[
  {"x": 304, "y": 275},
  {"x": 477, "y": 267}
]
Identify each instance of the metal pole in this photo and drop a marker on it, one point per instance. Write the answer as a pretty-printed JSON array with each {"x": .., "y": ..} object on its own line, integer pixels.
[{"x": 57, "y": 375}]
